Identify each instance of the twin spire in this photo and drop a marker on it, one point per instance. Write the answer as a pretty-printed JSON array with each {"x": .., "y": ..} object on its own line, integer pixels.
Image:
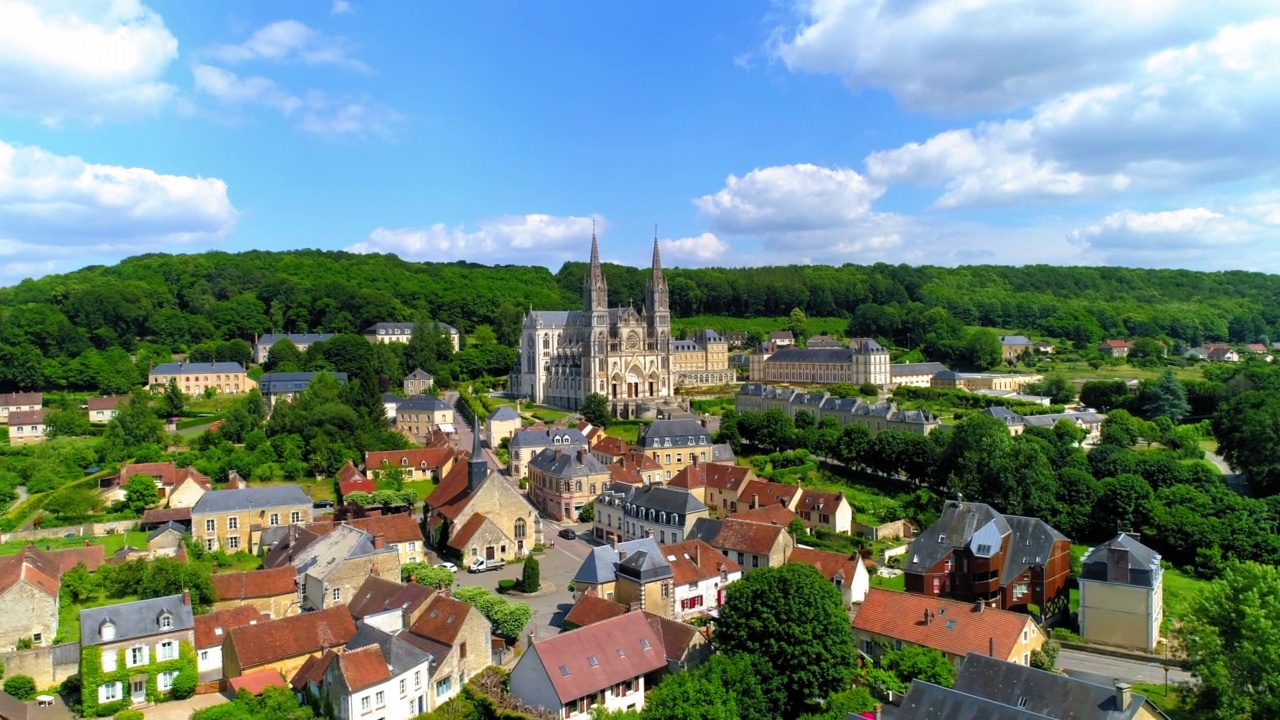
[{"x": 594, "y": 282}]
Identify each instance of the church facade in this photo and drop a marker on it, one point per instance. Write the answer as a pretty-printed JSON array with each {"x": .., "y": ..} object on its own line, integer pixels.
[{"x": 622, "y": 353}]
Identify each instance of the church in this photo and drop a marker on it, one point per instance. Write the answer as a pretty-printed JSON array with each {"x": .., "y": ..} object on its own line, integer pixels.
[{"x": 622, "y": 353}]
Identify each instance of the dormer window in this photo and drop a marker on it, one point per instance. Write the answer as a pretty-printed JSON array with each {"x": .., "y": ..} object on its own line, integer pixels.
[
  {"x": 166, "y": 621},
  {"x": 107, "y": 630}
]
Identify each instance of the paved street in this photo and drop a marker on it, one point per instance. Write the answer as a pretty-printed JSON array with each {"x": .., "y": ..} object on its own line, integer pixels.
[
  {"x": 1233, "y": 480},
  {"x": 1106, "y": 670}
]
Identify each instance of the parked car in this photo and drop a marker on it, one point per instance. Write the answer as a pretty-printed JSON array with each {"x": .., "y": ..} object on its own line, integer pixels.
[
  {"x": 480, "y": 565},
  {"x": 69, "y": 535},
  {"x": 322, "y": 504},
  {"x": 569, "y": 534},
  {"x": 447, "y": 566}
]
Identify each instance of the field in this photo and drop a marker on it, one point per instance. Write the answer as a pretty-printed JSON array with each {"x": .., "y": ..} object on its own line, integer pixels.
[
  {"x": 111, "y": 543},
  {"x": 628, "y": 432}
]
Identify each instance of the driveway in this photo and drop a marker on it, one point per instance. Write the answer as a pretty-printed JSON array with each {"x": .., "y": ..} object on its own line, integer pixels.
[
  {"x": 182, "y": 709},
  {"x": 1107, "y": 670},
  {"x": 1234, "y": 480}
]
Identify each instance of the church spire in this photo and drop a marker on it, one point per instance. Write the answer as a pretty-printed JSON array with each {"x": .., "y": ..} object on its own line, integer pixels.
[
  {"x": 594, "y": 287},
  {"x": 657, "y": 257},
  {"x": 655, "y": 296},
  {"x": 477, "y": 466}
]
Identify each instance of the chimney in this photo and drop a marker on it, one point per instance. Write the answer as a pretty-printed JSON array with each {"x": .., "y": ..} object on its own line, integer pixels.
[
  {"x": 559, "y": 452},
  {"x": 613, "y": 542},
  {"x": 755, "y": 501},
  {"x": 927, "y": 617},
  {"x": 978, "y": 605},
  {"x": 533, "y": 637},
  {"x": 696, "y": 555},
  {"x": 695, "y": 460},
  {"x": 378, "y": 542},
  {"x": 186, "y": 597},
  {"x": 1124, "y": 695},
  {"x": 704, "y": 421},
  {"x": 991, "y": 647},
  {"x": 582, "y": 456}
]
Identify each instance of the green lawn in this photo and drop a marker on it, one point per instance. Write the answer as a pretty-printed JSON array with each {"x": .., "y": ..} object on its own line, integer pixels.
[
  {"x": 548, "y": 415},
  {"x": 112, "y": 543},
  {"x": 69, "y": 617},
  {"x": 422, "y": 487},
  {"x": 1168, "y": 702},
  {"x": 240, "y": 562},
  {"x": 898, "y": 583},
  {"x": 1179, "y": 590},
  {"x": 628, "y": 432},
  {"x": 1209, "y": 446}
]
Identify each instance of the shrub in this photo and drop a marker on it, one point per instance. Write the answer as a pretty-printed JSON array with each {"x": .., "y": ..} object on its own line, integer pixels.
[
  {"x": 129, "y": 715},
  {"x": 506, "y": 585},
  {"x": 531, "y": 576},
  {"x": 184, "y": 686},
  {"x": 22, "y": 687},
  {"x": 539, "y": 549},
  {"x": 25, "y": 643}
]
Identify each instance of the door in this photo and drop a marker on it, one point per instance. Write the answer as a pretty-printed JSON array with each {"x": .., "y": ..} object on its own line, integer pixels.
[
  {"x": 138, "y": 691},
  {"x": 519, "y": 547},
  {"x": 488, "y": 553}
]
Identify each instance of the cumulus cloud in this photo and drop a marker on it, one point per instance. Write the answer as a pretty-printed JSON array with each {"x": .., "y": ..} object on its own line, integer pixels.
[
  {"x": 94, "y": 60},
  {"x": 1177, "y": 238},
  {"x": 290, "y": 41},
  {"x": 541, "y": 239},
  {"x": 342, "y": 7},
  {"x": 963, "y": 56},
  {"x": 228, "y": 87},
  {"x": 703, "y": 249},
  {"x": 315, "y": 111},
  {"x": 56, "y": 208}
]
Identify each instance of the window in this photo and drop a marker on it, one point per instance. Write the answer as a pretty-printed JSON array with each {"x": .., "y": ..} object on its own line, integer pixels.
[
  {"x": 403, "y": 689},
  {"x": 210, "y": 525},
  {"x": 37, "y": 639},
  {"x": 364, "y": 704},
  {"x": 413, "y": 545},
  {"x": 668, "y": 460},
  {"x": 137, "y": 656},
  {"x": 755, "y": 561},
  {"x": 417, "y": 678},
  {"x": 108, "y": 660},
  {"x": 165, "y": 681},
  {"x": 275, "y": 519},
  {"x": 679, "y": 457},
  {"x": 233, "y": 542},
  {"x": 166, "y": 621},
  {"x": 295, "y": 516},
  {"x": 1026, "y": 658},
  {"x": 442, "y": 687},
  {"x": 109, "y": 692},
  {"x": 337, "y": 594},
  {"x": 210, "y": 543},
  {"x": 233, "y": 523},
  {"x": 1024, "y": 635},
  {"x": 462, "y": 651},
  {"x": 204, "y": 656},
  {"x": 167, "y": 650},
  {"x": 379, "y": 699}
]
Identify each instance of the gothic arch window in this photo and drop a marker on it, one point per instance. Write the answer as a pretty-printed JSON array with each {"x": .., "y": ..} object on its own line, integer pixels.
[
  {"x": 577, "y": 486},
  {"x": 546, "y": 342},
  {"x": 520, "y": 528}
]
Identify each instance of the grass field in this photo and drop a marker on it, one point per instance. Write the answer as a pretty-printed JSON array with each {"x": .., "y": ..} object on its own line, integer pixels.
[
  {"x": 628, "y": 432},
  {"x": 111, "y": 543},
  {"x": 69, "y": 617},
  {"x": 898, "y": 583},
  {"x": 1179, "y": 590},
  {"x": 1166, "y": 701}
]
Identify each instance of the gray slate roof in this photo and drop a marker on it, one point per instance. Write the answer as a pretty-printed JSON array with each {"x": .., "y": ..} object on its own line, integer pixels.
[
  {"x": 292, "y": 381},
  {"x": 1014, "y": 340},
  {"x": 1046, "y": 694},
  {"x": 811, "y": 355},
  {"x": 1134, "y": 563},
  {"x": 422, "y": 403},
  {"x": 178, "y": 368},
  {"x": 420, "y": 374},
  {"x": 654, "y": 497},
  {"x": 601, "y": 565},
  {"x": 685, "y": 346},
  {"x": 1004, "y": 415},
  {"x": 722, "y": 453},
  {"x": 135, "y": 619},
  {"x": 681, "y": 432},
  {"x": 926, "y": 701},
  {"x": 296, "y": 338},
  {"x": 505, "y": 412},
  {"x": 544, "y": 437},
  {"x": 171, "y": 525},
  {"x": 401, "y": 655},
  {"x": 254, "y": 498},
  {"x": 552, "y": 318},
  {"x": 754, "y": 389},
  {"x": 923, "y": 368},
  {"x": 567, "y": 464}
]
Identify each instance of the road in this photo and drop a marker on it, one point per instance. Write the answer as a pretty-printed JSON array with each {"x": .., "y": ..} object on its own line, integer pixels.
[
  {"x": 464, "y": 433},
  {"x": 1106, "y": 670},
  {"x": 1234, "y": 480}
]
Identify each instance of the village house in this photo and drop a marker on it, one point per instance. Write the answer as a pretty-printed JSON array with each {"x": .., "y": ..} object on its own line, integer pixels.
[
  {"x": 636, "y": 468},
  {"x": 846, "y": 572},
  {"x": 351, "y": 480},
  {"x": 178, "y": 487},
  {"x": 1115, "y": 348},
  {"x": 971, "y": 552},
  {"x": 700, "y": 574},
  {"x": 302, "y": 341},
  {"x": 635, "y": 574},
  {"x": 459, "y": 637},
  {"x": 676, "y": 443},
  {"x": 751, "y": 545},
  {"x": 1122, "y": 594},
  {"x": 781, "y": 339},
  {"x": 421, "y": 415},
  {"x": 529, "y": 442},
  {"x": 375, "y": 677},
  {"x": 389, "y": 604},
  {"x": 626, "y": 512},
  {"x": 233, "y": 520},
  {"x": 17, "y": 402},
  {"x": 602, "y": 664},
  {"x": 138, "y": 646},
  {"x": 824, "y": 511},
  {"x": 397, "y": 531},
  {"x": 286, "y": 643},
  {"x": 167, "y": 540},
  {"x": 501, "y": 425},
  {"x": 590, "y": 608},
  {"x": 210, "y": 632},
  {"x": 30, "y": 581},
  {"x": 892, "y": 619},
  {"x": 418, "y": 382},
  {"x": 992, "y": 689},
  {"x": 1012, "y": 347},
  {"x": 332, "y": 561},
  {"x": 285, "y": 386},
  {"x": 272, "y": 592},
  {"x": 26, "y": 427},
  {"x": 608, "y": 450},
  {"x": 767, "y": 514},
  {"x": 561, "y": 483},
  {"x": 712, "y": 483},
  {"x": 486, "y": 515},
  {"x": 195, "y": 378},
  {"x": 402, "y": 332},
  {"x": 102, "y": 409},
  {"x": 430, "y": 463}
]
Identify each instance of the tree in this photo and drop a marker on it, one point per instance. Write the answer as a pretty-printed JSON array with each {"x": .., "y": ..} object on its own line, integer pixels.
[
  {"x": 173, "y": 402},
  {"x": 80, "y": 584},
  {"x": 1056, "y": 386},
  {"x": 1164, "y": 397},
  {"x": 595, "y": 410},
  {"x": 1046, "y": 656},
  {"x": 1121, "y": 429},
  {"x": 424, "y": 574},
  {"x": 587, "y": 513},
  {"x": 138, "y": 422},
  {"x": 1104, "y": 395},
  {"x": 508, "y": 618},
  {"x": 1227, "y": 635},
  {"x": 798, "y": 324},
  {"x": 530, "y": 575},
  {"x": 74, "y": 502},
  {"x": 284, "y": 356},
  {"x": 140, "y": 493},
  {"x": 1248, "y": 432},
  {"x": 22, "y": 687},
  {"x": 725, "y": 687},
  {"x": 794, "y": 620},
  {"x": 982, "y": 349},
  {"x": 184, "y": 685},
  {"x": 66, "y": 423},
  {"x": 918, "y": 662}
]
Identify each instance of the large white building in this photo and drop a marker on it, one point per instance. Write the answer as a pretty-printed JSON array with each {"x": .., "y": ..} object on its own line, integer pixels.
[{"x": 622, "y": 353}]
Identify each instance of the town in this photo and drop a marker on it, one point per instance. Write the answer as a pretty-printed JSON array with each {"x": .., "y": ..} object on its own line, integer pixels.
[{"x": 628, "y": 523}]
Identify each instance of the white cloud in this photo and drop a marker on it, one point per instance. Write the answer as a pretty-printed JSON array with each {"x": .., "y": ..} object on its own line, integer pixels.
[
  {"x": 967, "y": 55},
  {"x": 1195, "y": 236},
  {"x": 540, "y": 239},
  {"x": 342, "y": 7},
  {"x": 233, "y": 89},
  {"x": 703, "y": 249},
  {"x": 316, "y": 111},
  {"x": 92, "y": 59},
  {"x": 290, "y": 41},
  {"x": 61, "y": 208}
]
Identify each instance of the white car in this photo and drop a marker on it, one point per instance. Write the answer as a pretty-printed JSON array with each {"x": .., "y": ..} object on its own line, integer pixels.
[{"x": 447, "y": 566}]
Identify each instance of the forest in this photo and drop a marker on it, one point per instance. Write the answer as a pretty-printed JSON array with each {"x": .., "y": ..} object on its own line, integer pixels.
[{"x": 87, "y": 329}]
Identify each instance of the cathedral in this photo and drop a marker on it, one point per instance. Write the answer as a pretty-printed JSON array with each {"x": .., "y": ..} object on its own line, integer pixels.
[{"x": 622, "y": 353}]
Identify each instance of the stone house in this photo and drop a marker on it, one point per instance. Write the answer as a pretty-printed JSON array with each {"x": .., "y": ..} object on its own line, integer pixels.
[
  {"x": 636, "y": 468},
  {"x": 26, "y": 427},
  {"x": 232, "y": 520},
  {"x": 17, "y": 402},
  {"x": 165, "y": 540},
  {"x": 418, "y": 382},
  {"x": 502, "y": 424},
  {"x": 1122, "y": 594},
  {"x": 421, "y": 415},
  {"x": 210, "y": 632},
  {"x": 273, "y": 592},
  {"x": 599, "y": 573},
  {"x": 402, "y": 332},
  {"x": 29, "y": 588},
  {"x": 1013, "y": 346},
  {"x": 626, "y": 512},
  {"x": 608, "y": 449},
  {"x": 416, "y": 463},
  {"x": 676, "y": 443},
  {"x": 530, "y": 441},
  {"x": 751, "y": 545},
  {"x": 709, "y": 482},
  {"x": 604, "y": 664},
  {"x": 375, "y": 675},
  {"x": 333, "y": 562},
  {"x": 132, "y": 652},
  {"x": 102, "y": 409},
  {"x": 195, "y": 378},
  {"x": 399, "y": 531},
  {"x": 459, "y": 637},
  {"x": 284, "y": 644},
  {"x": 561, "y": 483}
]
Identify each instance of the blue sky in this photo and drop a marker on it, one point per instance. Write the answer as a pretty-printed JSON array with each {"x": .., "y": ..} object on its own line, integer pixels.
[{"x": 933, "y": 131}]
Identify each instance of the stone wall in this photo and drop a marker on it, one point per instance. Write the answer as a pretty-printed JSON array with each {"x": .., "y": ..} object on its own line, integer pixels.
[
  {"x": 48, "y": 666},
  {"x": 86, "y": 530}
]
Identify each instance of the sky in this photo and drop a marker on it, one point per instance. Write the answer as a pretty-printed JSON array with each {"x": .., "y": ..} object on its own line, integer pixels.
[{"x": 738, "y": 133}]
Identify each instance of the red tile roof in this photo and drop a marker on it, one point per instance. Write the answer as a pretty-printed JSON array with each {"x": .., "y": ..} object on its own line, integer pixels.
[
  {"x": 459, "y": 539},
  {"x": 166, "y": 472},
  {"x": 376, "y": 595},
  {"x": 348, "y": 472},
  {"x": 900, "y": 616},
  {"x": 363, "y": 667},
  {"x": 312, "y": 671},
  {"x": 748, "y": 537},
  {"x": 37, "y": 568},
  {"x": 828, "y": 563},
  {"x": 11, "y": 399},
  {"x": 610, "y": 445},
  {"x": 293, "y": 636},
  {"x": 351, "y": 480},
  {"x": 434, "y": 457},
  {"x": 768, "y": 492},
  {"x": 767, "y": 515},
  {"x": 676, "y": 637},
  {"x": 1117, "y": 343},
  {"x": 212, "y": 629},
  {"x": 629, "y": 468},
  {"x": 394, "y": 528},
  {"x": 256, "y": 583},
  {"x": 258, "y": 681},
  {"x": 695, "y": 561},
  {"x": 618, "y": 646},
  {"x": 105, "y": 402},
  {"x": 91, "y": 555},
  {"x": 442, "y": 619},
  {"x": 451, "y": 496},
  {"x": 714, "y": 475},
  {"x": 591, "y": 609}
]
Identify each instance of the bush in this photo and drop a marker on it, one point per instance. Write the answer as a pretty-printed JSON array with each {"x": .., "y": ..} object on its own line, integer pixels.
[
  {"x": 25, "y": 643},
  {"x": 506, "y": 585},
  {"x": 539, "y": 549},
  {"x": 22, "y": 687},
  {"x": 531, "y": 576},
  {"x": 129, "y": 715},
  {"x": 184, "y": 686}
]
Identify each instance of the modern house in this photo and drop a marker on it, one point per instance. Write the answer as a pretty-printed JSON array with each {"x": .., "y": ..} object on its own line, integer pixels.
[
  {"x": 1122, "y": 594},
  {"x": 16, "y": 402},
  {"x": 26, "y": 427},
  {"x": 971, "y": 552},
  {"x": 603, "y": 664},
  {"x": 134, "y": 651},
  {"x": 233, "y": 520}
]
